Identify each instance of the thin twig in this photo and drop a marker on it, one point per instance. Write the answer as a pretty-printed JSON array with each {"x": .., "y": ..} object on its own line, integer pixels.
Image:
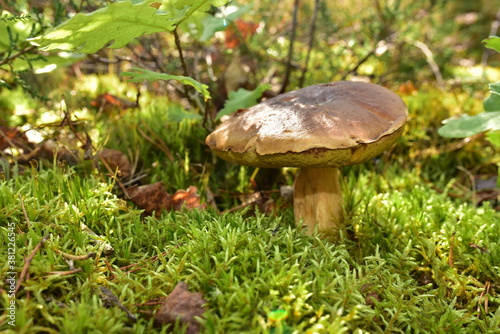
[
  {"x": 493, "y": 31},
  {"x": 484, "y": 295},
  {"x": 76, "y": 257},
  {"x": 11, "y": 144},
  {"x": 358, "y": 64},
  {"x": 64, "y": 272},
  {"x": 110, "y": 297},
  {"x": 70, "y": 123},
  {"x": 154, "y": 302},
  {"x": 311, "y": 41},
  {"x": 181, "y": 55},
  {"x": 452, "y": 243},
  {"x": 18, "y": 54},
  {"x": 27, "y": 262},
  {"x": 164, "y": 148},
  {"x": 194, "y": 100},
  {"x": 26, "y": 218},
  {"x": 389, "y": 39},
  {"x": 113, "y": 176},
  {"x": 290, "y": 49},
  {"x": 430, "y": 60},
  {"x": 472, "y": 182},
  {"x": 242, "y": 206},
  {"x": 448, "y": 147}
]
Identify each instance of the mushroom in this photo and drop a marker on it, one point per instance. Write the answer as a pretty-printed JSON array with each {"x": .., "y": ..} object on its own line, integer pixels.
[{"x": 319, "y": 129}]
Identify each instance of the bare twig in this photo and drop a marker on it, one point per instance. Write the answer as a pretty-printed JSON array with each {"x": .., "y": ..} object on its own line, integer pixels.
[
  {"x": 17, "y": 54},
  {"x": 448, "y": 147},
  {"x": 27, "y": 262},
  {"x": 452, "y": 243},
  {"x": 244, "y": 205},
  {"x": 71, "y": 124},
  {"x": 160, "y": 144},
  {"x": 11, "y": 144},
  {"x": 311, "y": 41},
  {"x": 26, "y": 218},
  {"x": 290, "y": 49},
  {"x": 105, "y": 246},
  {"x": 136, "y": 266},
  {"x": 110, "y": 297},
  {"x": 181, "y": 55},
  {"x": 484, "y": 296},
  {"x": 430, "y": 60},
  {"x": 153, "y": 302},
  {"x": 76, "y": 257},
  {"x": 372, "y": 52},
  {"x": 358, "y": 64},
  {"x": 194, "y": 100},
  {"x": 64, "y": 272},
  {"x": 493, "y": 31},
  {"x": 112, "y": 173},
  {"x": 472, "y": 182}
]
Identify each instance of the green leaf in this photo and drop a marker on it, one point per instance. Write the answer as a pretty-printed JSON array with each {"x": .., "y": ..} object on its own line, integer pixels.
[
  {"x": 205, "y": 4},
  {"x": 179, "y": 114},
  {"x": 45, "y": 64},
  {"x": 494, "y": 138},
  {"x": 492, "y": 42},
  {"x": 119, "y": 22},
  {"x": 492, "y": 102},
  {"x": 139, "y": 74},
  {"x": 242, "y": 98},
  {"x": 188, "y": 7},
  {"x": 20, "y": 30},
  {"x": 495, "y": 88},
  {"x": 212, "y": 24},
  {"x": 466, "y": 126},
  {"x": 277, "y": 315}
]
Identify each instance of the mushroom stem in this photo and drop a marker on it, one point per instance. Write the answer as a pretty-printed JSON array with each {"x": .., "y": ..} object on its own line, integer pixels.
[{"x": 318, "y": 199}]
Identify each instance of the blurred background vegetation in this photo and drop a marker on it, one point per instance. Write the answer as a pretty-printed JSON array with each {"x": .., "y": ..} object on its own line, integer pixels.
[{"x": 429, "y": 51}]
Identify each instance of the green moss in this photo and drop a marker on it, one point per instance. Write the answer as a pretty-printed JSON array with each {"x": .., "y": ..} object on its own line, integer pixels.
[{"x": 394, "y": 273}]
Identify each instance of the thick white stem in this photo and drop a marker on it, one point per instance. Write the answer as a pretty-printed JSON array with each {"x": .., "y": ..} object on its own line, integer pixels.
[{"x": 318, "y": 199}]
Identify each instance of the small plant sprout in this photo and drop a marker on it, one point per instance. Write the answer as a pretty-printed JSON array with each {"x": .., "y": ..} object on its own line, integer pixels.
[{"x": 319, "y": 129}]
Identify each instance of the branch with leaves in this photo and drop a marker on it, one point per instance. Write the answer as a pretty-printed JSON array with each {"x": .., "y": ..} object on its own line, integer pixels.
[{"x": 118, "y": 24}]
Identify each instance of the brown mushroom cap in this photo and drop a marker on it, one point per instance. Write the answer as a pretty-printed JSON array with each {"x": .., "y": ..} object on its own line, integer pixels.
[{"x": 328, "y": 125}]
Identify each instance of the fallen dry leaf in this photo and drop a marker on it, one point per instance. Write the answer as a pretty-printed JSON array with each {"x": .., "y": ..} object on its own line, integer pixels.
[
  {"x": 240, "y": 31},
  {"x": 188, "y": 199},
  {"x": 107, "y": 102},
  {"x": 12, "y": 137},
  {"x": 183, "y": 305},
  {"x": 51, "y": 149},
  {"x": 116, "y": 159},
  {"x": 151, "y": 198}
]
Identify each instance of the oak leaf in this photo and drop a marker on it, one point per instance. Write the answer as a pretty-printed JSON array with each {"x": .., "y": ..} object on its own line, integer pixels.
[{"x": 181, "y": 305}]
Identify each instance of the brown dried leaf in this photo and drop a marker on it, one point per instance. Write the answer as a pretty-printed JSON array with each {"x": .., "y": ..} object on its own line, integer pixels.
[
  {"x": 188, "y": 199},
  {"x": 108, "y": 103},
  {"x": 116, "y": 159},
  {"x": 12, "y": 137},
  {"x": 50, "y": 149},
  {"x": 183, "y": 305},
  {"x": 151, "y": 198},
  {"x": 241, "y": 30}
]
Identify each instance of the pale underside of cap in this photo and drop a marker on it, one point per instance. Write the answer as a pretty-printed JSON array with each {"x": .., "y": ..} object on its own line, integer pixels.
[{"x": 327, "y": 125}]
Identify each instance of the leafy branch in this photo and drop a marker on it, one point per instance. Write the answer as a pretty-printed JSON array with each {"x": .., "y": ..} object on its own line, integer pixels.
[
  {"x": 119, "y": 23},
  {"x": 15, "y": 18},
  {"x": 18, "y": 54}
]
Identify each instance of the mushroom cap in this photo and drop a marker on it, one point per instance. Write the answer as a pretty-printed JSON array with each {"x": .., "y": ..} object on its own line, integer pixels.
[{"x": 327, "y": 125}]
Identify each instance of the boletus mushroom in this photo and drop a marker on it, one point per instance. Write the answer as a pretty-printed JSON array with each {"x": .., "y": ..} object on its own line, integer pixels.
[{"x": 319, "y": 129}]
